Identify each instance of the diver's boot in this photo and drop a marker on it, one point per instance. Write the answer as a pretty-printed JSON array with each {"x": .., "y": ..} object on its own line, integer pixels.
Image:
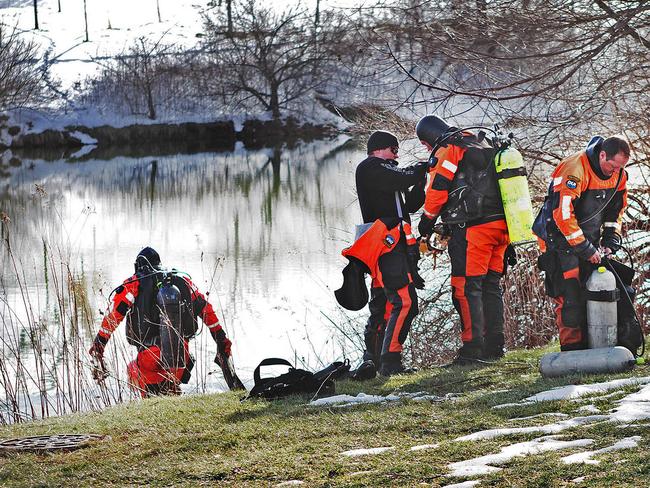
[
  {"x": 366, "y": 371},
  {"x": 391, "y": 364}
]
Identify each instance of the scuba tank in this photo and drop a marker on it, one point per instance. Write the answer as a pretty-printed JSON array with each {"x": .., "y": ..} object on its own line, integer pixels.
[
  {"x": 510, "y": 174},
  {"x": 513, "y": 186},
  {"x": 602, "y": 309},
  {"x": 587, "y": 361},
  {"x": 172, "y": 342}
]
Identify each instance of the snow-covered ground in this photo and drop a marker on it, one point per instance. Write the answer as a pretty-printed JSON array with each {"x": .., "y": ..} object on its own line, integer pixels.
[{"x": 112, "y": 28}]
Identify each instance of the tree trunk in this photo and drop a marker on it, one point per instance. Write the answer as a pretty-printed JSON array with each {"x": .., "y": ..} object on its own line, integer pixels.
[
  {"x": 158, "y": 10},
  {"x": 229, "y": 14},
  {"x": 317, "y": 14},
  {"x": 85, "y": 20},
  {"x": 274, "y": 102},
  {"x": 150, "y": 105},
  {"x": 35, "y": 14}
]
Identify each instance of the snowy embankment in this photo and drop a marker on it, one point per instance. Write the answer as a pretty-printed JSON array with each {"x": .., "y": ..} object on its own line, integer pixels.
[{"x": 73, "y": 57}]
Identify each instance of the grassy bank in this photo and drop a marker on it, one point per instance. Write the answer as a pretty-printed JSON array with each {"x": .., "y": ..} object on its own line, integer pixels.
[{"x": 216, "y": 440}]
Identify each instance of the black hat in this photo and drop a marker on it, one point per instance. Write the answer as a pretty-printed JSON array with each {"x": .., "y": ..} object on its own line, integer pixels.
[
  {"x": 380, "y": 140},
  {"x": 353, "y": 295},
  {"x": 147, "y": 259},
  {"x": 431, "y": 128}
]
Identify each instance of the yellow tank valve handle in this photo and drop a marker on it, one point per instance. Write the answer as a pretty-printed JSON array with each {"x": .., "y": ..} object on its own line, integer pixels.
[
  {"x": 601, "y": 269},
  {"x": 640, "y": 360}
]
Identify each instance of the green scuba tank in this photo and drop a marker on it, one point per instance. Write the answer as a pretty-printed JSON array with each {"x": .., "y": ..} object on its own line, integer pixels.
[{"x": 513, "y": 186}]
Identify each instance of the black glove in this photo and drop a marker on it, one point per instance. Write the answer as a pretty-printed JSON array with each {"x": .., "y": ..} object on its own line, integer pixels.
[
  {"x": 224, "y": 344},
  {"x": 611, "y": 240},
  {"x": 425, "y": 227},
  {"x": 418, "y": 281},
  {"x": 585, "y": 250},
  {"x": 509, "y": 258},
  {"x": 99, "y": 344},
  {"x": 413, "y": 254}
]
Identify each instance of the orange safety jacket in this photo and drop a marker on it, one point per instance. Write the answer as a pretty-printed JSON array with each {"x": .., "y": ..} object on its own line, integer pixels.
[
  {"x": 580, "y": 203},
  {"x": 127, "y": 293}
]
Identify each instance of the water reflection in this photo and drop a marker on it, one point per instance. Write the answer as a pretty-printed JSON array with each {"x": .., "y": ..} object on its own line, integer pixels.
[{"x": 261, "y": 231}]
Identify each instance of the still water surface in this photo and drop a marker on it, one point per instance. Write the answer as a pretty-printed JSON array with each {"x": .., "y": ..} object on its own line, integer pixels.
[{"x": 261, "y": 231}]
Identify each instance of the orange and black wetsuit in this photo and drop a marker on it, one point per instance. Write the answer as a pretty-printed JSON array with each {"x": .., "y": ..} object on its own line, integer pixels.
[
  {"x": 582, "y": 206},
  {"x": 147, "y": 372},
  {"x": 386, "y": 191},
  {"x": 463, "y": 191}
]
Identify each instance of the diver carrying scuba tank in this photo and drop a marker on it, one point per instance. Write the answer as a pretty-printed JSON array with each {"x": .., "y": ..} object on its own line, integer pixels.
[
  {"x": 162, "y": 308},
  {"x": 579, "y": 229},
  {"x": 478, "y": 188},
  {"x": 578, "y": 224}
]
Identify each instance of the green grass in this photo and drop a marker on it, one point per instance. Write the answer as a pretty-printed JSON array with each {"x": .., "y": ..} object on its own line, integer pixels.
[{"x": 215, "y": 440}]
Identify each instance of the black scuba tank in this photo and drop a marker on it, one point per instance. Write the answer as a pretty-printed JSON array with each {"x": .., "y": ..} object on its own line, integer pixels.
[
  {"x": 169, "y": 303},
  {"x": 474, "y": 192}
]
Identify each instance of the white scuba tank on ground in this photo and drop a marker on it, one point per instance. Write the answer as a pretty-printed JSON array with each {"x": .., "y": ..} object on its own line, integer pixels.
[
  {"x": 602, "y": 295},
  {"x": 588, "y": 361},
  {"x": 513, "y": 186}
]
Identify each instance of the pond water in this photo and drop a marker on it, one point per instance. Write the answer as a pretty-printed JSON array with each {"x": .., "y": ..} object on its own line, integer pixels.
[{"x": 261, "y": 231}]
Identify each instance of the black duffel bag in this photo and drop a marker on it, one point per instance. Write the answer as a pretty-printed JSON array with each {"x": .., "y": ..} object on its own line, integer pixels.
[{"x": 296, "y": 381}]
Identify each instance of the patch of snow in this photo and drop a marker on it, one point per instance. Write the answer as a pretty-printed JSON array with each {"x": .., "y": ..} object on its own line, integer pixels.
[
  {"x": 87, "y": 149},
  {"x": 547, "y": 414},
  {"x": 643, "y": 395},
  {"x": 631, "y": 412},
  {"x": 586, "y": 457},
  {"x": 488, "y": 464},
  {"x": 366, "y": 452},
  {"x": 291, "y": 483},
  {"x": 589, "y": 409},
  {"x": 508, "y": 405},
  {"x": 430, "y": 398},
  {"x": 341, "y": 401},
  {"x": 348, "y": 400},
  {"x": 238, "y": 122},
  {"x": 423, "y": 447},
  {"x": 5, "y": 138},
  {"x": 579, "y": 479},
  {"x": 597, "y": 398},
  {"x": 464, "y": 484},
  {"x": 83, "y": 138},
  {"x": 632, "y": 426},
  {"x": 575, "y": 391},
  {"x": 542, "y": 429}
]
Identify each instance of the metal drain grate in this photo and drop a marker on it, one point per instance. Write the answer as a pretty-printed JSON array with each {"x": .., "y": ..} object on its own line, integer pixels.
[{"x": 47, "y": 443}]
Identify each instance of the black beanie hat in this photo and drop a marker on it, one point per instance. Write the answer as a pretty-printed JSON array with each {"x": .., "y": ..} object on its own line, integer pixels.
[{"x": 381, "y": 139}]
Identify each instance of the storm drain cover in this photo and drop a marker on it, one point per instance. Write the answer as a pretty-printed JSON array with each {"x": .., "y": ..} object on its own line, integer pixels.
[{"x": 47, "y": 443}]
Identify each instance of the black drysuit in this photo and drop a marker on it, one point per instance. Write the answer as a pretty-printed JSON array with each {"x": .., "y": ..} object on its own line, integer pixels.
[{"x": 381, "y": 186}]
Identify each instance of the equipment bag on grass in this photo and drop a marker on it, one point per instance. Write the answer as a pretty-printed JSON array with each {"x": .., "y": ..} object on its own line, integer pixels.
[{"x": 296, "y": 381}]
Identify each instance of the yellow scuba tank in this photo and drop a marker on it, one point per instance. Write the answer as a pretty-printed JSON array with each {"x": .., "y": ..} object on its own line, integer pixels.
[{"x": 513, "y": 186}]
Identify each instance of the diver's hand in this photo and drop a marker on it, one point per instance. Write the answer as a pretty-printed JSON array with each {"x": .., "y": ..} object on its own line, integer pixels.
[{"x": 99, "y": 344}]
